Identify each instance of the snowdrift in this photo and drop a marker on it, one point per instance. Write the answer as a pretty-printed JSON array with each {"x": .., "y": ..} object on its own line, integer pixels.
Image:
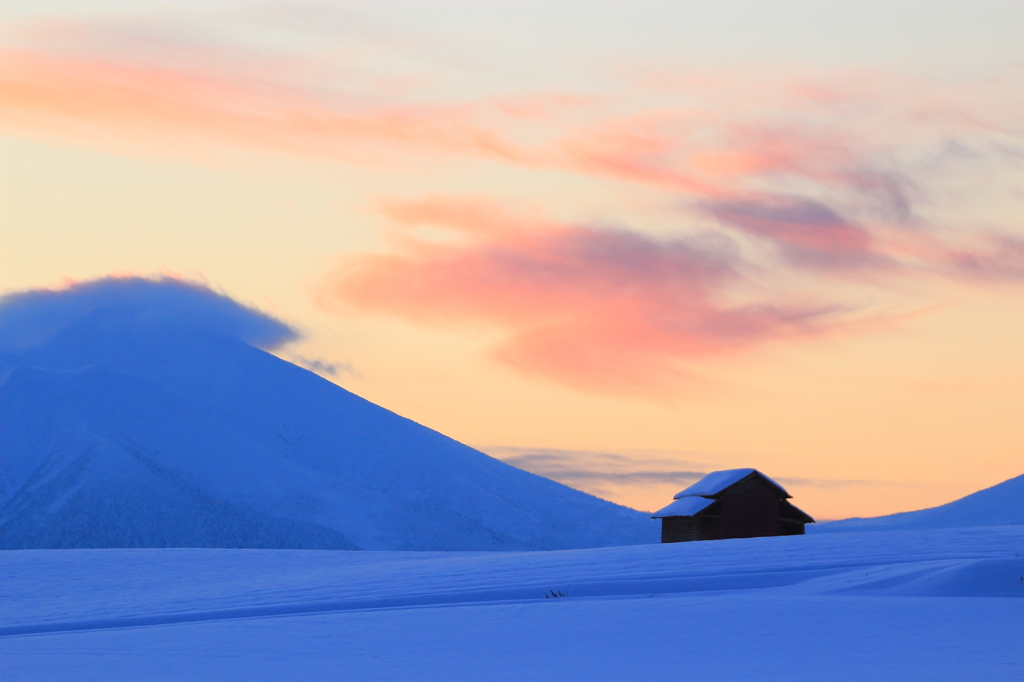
[
  {"x": 1000, "y": 505},
  {"x": 90, "y": 589},
  {"x": 928, "y": 606},
  {"x": 126, "y": 426}
]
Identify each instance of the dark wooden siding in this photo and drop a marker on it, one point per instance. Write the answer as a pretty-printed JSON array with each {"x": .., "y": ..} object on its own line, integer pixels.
[
  {"x": 789, "y": 527},
  {"x": 749, "y": 509},
  {"x": 680, "y": 529},
  {"x": 791, "y": 519},
  {"x": 709, "y": 525}
]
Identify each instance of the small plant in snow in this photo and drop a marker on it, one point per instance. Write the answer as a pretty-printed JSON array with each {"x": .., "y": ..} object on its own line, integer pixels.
[{"x": 553, "y": 594}]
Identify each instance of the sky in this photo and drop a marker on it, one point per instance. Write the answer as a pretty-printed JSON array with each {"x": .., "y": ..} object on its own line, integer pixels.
[{"x": 617, "y": 244}]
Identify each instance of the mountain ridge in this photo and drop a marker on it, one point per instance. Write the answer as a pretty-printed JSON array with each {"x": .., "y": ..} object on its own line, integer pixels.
[
  {"x": 128, "y": 431},
  {"x": 998, "y": 505}
]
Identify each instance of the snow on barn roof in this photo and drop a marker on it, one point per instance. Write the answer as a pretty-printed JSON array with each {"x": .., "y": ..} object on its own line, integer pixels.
[
  {"x": 717, "y": 481},
  {"x": 688, "y": 506}
]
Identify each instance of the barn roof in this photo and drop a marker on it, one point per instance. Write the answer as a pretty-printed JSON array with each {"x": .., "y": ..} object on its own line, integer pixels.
[
  {"x": 717, "y": 481},
  {"x": 789, "y": 511},
  {"x": 687, "y": 506}
]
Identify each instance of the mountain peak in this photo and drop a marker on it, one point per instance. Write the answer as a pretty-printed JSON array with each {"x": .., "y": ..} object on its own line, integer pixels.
[{"x": 130, "y": 428}]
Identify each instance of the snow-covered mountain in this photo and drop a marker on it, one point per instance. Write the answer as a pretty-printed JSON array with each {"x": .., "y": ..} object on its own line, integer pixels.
[
  {"x": 129, "y": 423},
  {"x": 1000, "y": 505}
]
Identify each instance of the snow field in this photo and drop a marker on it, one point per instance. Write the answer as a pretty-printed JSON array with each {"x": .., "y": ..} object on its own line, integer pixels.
[
  {"x": 721, "y": 637},
  {"x": 928, "y": 605}
]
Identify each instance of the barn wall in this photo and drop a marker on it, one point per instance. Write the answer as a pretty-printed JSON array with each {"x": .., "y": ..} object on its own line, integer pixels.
[
  {"x": 791, "y": 519},
  {"x": 709, "y": 527},
  {"x": 787, "y": 527},
  {"x": 679, "y": 529},
  {"x": 749, "y": 509}
]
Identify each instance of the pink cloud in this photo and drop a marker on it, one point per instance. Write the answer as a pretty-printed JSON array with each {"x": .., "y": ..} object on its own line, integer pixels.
[
  {"x": 93, "y": 99},
  {"x": 591, "y": 307},
  {"x": 807, "y": 232},
  {"x": 826, "y": 175},
  {"x": 711, "y": 140},
  {"x": 810, "y": 235},
  {"x": 613, "y": 310},
  {"x": 989, "y": 258},
  {"x": 712, "y": 155}
]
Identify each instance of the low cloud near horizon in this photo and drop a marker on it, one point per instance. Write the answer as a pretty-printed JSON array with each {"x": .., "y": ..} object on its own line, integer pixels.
[
  {"x": 30, "y": 317},
  {"x": 607, "y": 474}
]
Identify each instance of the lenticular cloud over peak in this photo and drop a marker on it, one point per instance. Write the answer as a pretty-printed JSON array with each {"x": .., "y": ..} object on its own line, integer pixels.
[
  {"x": 148, "y": 413},
  {"x": 30, "y": 317}
]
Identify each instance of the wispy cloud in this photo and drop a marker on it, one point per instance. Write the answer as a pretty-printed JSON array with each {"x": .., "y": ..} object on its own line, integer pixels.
[
  {"x": 607, "y": 473},
  {"x": 321, "y": 366},
  {"x": 993, "y": 257},
  {"x": 834, "y": 176},
  {"x": 95, "y": 100},
  {"x": 612, "y": 309},
  {"x": 589, "y": 465},
  {"x": 594, "y": 307},
  {"x": 153, "y": 77},
  {"x": 161, "y": 84},
  {"x": 807, "y": 232},
  {"x": 843, "y": 482}
]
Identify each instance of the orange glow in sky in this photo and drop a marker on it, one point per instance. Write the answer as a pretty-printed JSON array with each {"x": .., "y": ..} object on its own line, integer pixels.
[{"x": 620, "y": 248}]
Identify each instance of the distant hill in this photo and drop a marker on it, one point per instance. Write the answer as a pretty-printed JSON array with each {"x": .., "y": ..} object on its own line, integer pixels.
[
  {"x": 1000, "y": 505},
  {"x": 125, "y": 428}
]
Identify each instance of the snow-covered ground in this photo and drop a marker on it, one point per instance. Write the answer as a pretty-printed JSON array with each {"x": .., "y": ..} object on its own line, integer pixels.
[{"x": 888, "y": 605}]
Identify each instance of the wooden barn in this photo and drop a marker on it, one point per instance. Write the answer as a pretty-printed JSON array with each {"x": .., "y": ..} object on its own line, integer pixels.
[{"x": 736, "y": 503}]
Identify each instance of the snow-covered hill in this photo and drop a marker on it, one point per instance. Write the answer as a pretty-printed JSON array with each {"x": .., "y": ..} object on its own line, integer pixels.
[
  {"x": 1000, "y": 505},
  {"x": 137, "y": 413},
  {"x": 914, "y": 606}
]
